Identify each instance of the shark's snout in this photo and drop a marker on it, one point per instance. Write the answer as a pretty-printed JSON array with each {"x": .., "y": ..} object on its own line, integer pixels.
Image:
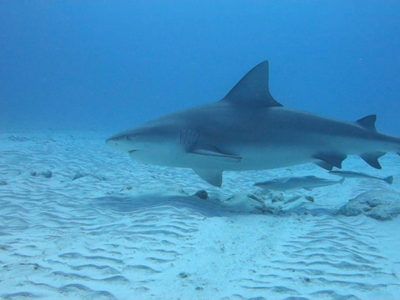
[
  {"x": 121, "y": 142},
  {"x": 115, "y": 139}
]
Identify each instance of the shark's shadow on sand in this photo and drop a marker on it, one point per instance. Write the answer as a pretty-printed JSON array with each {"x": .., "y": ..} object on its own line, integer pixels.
[
  {"x": 211, "y": 207},
  {"x": 208, "y": 207}
]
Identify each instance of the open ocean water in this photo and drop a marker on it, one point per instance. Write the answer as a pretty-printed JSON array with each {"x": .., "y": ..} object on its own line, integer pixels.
[{"x": 79, "y": 220}]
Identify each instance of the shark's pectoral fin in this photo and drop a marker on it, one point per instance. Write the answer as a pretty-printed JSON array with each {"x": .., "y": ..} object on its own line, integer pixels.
[
  {"x": 372, "y": 159},
  {"x": 330, "y": 160},
  {"x": 214, "y": 153},
  {"x": 368, "y": 122},
  {"x": 189, "y": 139},
  {"x": 213, "y": 177}
]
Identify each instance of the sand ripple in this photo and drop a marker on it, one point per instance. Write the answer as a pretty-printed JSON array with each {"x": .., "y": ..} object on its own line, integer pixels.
[{"x": 103, "y": 227}]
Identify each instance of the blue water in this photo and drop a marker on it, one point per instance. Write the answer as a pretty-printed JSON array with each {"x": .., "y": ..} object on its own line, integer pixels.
[{"x": 111, "y": 65}]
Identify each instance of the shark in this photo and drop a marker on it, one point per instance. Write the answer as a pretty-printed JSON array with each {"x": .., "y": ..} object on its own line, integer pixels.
[
  {"x": 249, "y": 130},
  {"x": 284, "y": 184}
]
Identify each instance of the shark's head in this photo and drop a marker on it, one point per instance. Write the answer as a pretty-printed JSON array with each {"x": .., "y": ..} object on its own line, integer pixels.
[{"x": 153, "y": 143}]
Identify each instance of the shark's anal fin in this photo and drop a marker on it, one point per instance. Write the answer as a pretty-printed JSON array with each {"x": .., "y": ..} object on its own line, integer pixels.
[
  {"x": 372, "y": 159},
  {"x": 252, "y": 89},
  {"x": 213, "y": 177},
  {"x": 368, "y": 122},
  {"x": 329, "y": 160},
  {"x": 324, "y": 165}
]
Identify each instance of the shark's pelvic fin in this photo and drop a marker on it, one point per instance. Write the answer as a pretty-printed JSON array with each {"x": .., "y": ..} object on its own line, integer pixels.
[
  {"x": 368, "y": 122},
  {"x": 213, "y": 177},
  {"x": 253, "y": 88},
  {"x": 372, "y": 159},
  {"x": 330, "y": 160}
]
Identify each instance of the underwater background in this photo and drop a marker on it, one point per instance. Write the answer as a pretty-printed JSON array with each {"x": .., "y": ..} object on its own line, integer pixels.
[
  {"x": 81, "y": 221},
  {"x": 114, "y": 64}
]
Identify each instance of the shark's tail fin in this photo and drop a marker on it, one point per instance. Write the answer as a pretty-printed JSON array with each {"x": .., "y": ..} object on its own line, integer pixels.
[{"x": 388, "y": 179}]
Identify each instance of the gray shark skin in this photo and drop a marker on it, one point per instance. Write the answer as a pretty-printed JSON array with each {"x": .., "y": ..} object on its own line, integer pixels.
[{"x": 249, "y": 130}]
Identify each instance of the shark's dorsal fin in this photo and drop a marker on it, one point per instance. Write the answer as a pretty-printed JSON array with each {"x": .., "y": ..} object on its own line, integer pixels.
[
  {"x": 253, "y": 89},
  {"x": 368, "y": 122}
]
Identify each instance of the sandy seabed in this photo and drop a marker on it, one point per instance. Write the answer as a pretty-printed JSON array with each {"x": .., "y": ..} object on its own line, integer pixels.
[{"x": 81, "y": 221}]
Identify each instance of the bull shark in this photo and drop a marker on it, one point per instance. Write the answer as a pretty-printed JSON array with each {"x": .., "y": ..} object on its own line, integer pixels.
[{"x": 249, "y": 130}]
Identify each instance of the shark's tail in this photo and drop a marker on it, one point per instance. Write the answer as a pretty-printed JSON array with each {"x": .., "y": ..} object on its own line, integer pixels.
[{"x": 388, "y": 179}]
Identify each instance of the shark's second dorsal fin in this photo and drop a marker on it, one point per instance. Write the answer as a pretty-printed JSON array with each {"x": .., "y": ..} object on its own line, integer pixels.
[
  {"x": 253, "y": 89},
  {"x": 368, "y": 122}
]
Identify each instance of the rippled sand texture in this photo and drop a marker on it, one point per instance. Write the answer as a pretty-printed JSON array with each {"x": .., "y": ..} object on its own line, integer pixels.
[{"x": 80, "y": 221}]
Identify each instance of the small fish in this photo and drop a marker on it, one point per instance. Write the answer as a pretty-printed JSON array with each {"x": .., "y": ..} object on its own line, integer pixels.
[
  {"x": 292, "y": 183},
  {"x": 351, "y": 174}
]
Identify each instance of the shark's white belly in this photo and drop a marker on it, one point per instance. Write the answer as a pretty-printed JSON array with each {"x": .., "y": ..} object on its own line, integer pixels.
[
  {"x": 267, "y": 159},
  {"x": 251, "y": 159},
  {"x": 256, "y": 156}
]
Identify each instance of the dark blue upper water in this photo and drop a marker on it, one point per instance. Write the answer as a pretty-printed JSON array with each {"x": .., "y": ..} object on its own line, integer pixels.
[{"x": 110, "y": 65}]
